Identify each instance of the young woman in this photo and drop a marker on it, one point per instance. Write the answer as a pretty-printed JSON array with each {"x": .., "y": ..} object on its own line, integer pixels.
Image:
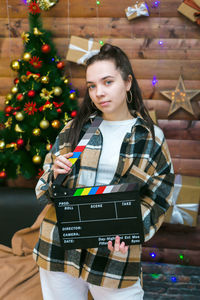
[{"x": 127, "y": 147}]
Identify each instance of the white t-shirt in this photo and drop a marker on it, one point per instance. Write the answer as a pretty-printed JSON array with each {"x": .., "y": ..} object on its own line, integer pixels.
[{"x": 113, "y": 134}]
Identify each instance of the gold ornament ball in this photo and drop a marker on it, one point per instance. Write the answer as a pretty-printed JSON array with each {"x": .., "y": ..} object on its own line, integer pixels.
[
  {"x": 24, "y": 78},
  {"x": 7, "y": 102},
  {"x": 55, "y": 124},
  {"x": 36, "y": 131},
  {"x": 19, "y": 116},
  {"x": 66, "y": 80},
  {"x": 2, "y": 145},
  {"x": 72, "y": 96},
  {"x": 9, "y": 97},
  {"x": 57, "y": 91},
  {"x": 44, "y": 124},
  {"x": 48, "y": 147},
  {"x": 26, "y": 56},
  {"x": 37, "y": 159},
  {"x": 14, "y": 90},
  {"x": 15, "y": 65},
  {"x": 45, "y": 79}
]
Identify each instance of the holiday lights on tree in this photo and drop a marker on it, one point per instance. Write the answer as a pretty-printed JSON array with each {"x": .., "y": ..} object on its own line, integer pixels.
[{"x": 39, "y": 105}]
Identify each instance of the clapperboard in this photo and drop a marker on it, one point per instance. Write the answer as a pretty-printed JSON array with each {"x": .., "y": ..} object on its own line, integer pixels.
[{"x": 90, "y": 217}]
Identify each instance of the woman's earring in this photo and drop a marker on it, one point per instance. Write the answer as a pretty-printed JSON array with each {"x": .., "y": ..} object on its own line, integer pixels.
[{"x": 131, "y": 97}]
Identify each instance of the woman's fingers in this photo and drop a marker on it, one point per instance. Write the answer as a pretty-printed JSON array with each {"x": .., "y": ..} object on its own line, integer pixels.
[
  {"x": 117, "y": 246},
  {"x": 62, "y": 165}
]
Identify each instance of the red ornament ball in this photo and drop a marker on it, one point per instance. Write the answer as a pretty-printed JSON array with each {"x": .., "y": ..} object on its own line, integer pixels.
[
  {"x": 20, "y": 97},
  {"x": 60, "y": 65},
  {"x": 46, "y": 48},
  {"x": 8, "y": 109},
  {"x": 2, "y": 174},
  {"x": 59, "y": 110},
  {"x": 16, "y": 81},
  {"x": 73, "y": 113},
  {"x": 31, "y": 93},
  {"x": 20, "y": 143}
]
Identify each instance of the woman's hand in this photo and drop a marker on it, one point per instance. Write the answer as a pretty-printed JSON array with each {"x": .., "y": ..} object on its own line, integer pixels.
[
  {"x": 117, "y": 246},
  {"x": 62, "y": 165}
]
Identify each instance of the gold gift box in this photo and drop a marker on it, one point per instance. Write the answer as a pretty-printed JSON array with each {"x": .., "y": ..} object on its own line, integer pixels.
[
  {"x": 139, "y": 9},
  {"x": 189, "y": 11},
  {"x": 81, "y": 49},
  {"x": 185, "y": 209}
]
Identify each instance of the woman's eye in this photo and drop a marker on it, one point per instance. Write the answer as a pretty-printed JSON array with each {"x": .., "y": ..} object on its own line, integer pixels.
[
  {"x": 90, "y": 87},
  {"x": 108, "y": 82}
]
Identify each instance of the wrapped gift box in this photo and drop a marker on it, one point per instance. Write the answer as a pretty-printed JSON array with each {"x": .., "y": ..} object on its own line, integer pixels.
[
  {"x": 186, "y": 195},
  {"x": 80, "y": 50},
  {"x": 191, "y": 10},
  {"x": 139, "y": 9}
]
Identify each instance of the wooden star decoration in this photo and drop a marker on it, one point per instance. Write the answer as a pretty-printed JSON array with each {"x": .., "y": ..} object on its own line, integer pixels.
[{"x": 180, "y": 97}]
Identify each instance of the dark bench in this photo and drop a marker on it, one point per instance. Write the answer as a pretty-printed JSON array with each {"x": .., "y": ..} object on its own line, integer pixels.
[{"x": 19, "y": 209}]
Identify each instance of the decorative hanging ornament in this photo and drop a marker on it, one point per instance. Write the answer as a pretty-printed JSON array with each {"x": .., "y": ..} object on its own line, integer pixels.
[
  {"x": 55, "y": 124},
  {"x": 57, "y": 91},
  {"x": 66, "y": 80},
  {"x": 36, "y": 31},
  {"x": 60, "y": 65},
  {"x": 2, "y": 174},
  {"x": 8, "y": 109},
  {"x": 44, "y": 124},
  {"x": 9, "y": 97},
  {"x": 31, "y": 93},
  {"x": 25, "y": 37},
  {"x": 72, "y": 96},
  {"x": 45, "y": 79},
  {"x": 15, "y": 65},
  {"x": 45, "y": 48},
  {"x": 36, "y": 131},
  {"x": 48, "y": 147},
  {"x": 14, "y": 89},
  {"x": 180, "y": 97},
  {"x": 2, "y": 144},
  {"x": 18, "y": 129},
  {"x": 20, "y": 143},
  {"x": 16, "y": 80},
  {"x": 26, "y": 56},
  {"x": 73, "y": 113},
  {"x": 24, "y": 78},
  {"x": 37, "y": 159},
  {"x": 19, "y": 116},
  {"x": 20, "y": 97},
  {"x": 47, "y": 4}
]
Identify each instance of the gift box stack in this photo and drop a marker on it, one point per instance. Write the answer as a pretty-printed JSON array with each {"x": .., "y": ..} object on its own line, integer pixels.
[
  {"x": 185, "y": 203},
  {"x": 138, "y": 9},
  {"x": 80, "y": 49},
  {"x": 191, "y": 10}
]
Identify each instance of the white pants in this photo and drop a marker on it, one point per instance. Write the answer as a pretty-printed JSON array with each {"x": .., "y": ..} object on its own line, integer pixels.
[{"x": 61, "y": 286}]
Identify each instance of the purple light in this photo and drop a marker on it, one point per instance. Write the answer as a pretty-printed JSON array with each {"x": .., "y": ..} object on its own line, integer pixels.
[
  {"x": 160, "y": 42},
  {"x": 153, "y": 254},
  {"x": 154, "y": 81},
  {"x": 173, "y": 279},
  {"x": 53, "y": 59},
  {"x": 72, "y": 91},
  {"x": 155, "y": 4}
]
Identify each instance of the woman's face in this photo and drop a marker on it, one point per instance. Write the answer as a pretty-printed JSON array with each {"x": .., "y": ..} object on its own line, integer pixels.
[{"x": 108, "y": 90}]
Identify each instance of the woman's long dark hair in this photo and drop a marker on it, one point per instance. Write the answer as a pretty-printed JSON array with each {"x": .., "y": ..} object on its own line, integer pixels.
[{"x": 122, "y": 63}]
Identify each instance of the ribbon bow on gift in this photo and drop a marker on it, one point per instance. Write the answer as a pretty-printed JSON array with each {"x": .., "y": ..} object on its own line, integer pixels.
[
  {"x": 179, "y": 215},
  {"x": 140, "y": 10},
  {"x": 194, "y": 5},
  {"x": 88, "y": 53}
]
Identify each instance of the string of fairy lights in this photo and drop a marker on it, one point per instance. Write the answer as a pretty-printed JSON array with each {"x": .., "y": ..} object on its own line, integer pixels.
[{"x": 155, "y": 5}]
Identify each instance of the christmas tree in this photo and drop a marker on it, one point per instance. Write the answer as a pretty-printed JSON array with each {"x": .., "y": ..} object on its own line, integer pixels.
[{"x": 39, "y": 105}]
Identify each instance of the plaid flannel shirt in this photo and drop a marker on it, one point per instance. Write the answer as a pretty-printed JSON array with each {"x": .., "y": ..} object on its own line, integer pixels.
[{"x": 137, "y": 162}]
